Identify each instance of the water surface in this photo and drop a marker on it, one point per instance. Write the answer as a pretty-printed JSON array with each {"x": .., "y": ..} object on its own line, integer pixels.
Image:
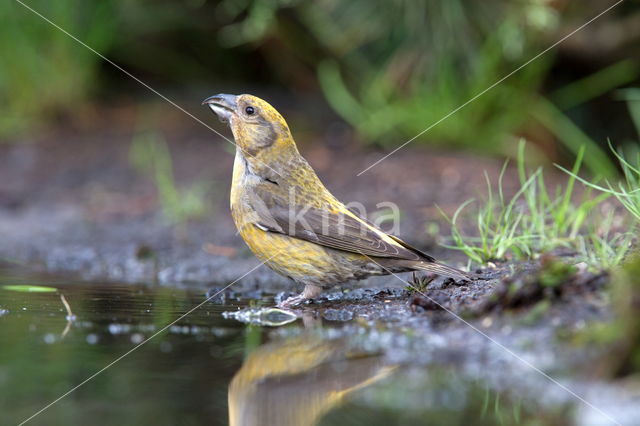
[{"x": 208, "y": 369}]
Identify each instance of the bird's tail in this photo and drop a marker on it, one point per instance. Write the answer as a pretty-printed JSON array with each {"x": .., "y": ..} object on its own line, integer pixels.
[{"x": 442, "y": 269}]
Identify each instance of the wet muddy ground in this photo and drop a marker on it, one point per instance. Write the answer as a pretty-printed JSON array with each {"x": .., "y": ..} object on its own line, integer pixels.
[{"x": 77, "y": 217}]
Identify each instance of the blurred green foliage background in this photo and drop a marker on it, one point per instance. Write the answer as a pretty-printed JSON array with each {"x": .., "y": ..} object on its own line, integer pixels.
[{"x": 390, "y": 69}]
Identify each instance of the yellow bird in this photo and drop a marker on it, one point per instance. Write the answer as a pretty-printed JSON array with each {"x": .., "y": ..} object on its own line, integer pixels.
[
  {"x": 289, "y": 219},
  {"x": 295, "y": 381}
]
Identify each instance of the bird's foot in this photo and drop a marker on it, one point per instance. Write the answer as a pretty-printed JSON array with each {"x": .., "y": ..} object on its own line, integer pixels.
[
  {"x": 310, "y": 291},
  {"x": 292, "y": 302}
]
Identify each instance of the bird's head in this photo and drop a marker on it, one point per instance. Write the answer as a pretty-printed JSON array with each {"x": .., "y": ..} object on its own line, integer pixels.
[{"x": 257, "y": 127}]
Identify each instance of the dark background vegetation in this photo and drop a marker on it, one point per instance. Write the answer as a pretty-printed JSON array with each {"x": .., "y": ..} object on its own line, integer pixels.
[{"x": 387, "y": 69}]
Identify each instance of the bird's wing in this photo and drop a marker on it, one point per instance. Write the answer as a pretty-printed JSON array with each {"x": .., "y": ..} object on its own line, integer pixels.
[{"x": 338, "y": 229}]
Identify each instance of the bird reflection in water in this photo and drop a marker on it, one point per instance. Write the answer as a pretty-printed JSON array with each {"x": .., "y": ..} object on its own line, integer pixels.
[{"x": 295, "y": 381}]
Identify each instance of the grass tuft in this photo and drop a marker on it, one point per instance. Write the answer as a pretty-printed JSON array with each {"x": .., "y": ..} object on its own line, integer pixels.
[
  {"x": 150, "y": 155},
  {"x": 536, "y": 221},
  {"x": 626, "y": 191}
]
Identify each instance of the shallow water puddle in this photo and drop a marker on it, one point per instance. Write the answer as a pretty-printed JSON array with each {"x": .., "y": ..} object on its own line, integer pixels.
[{"x": 208, "y": 369}]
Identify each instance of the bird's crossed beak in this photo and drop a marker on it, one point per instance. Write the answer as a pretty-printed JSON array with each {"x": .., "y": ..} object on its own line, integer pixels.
[{"x": 222, "y": 104}]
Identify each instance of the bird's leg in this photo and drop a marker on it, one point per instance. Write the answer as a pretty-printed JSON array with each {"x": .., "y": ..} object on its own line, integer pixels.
[
  {"x": 292, "y": 301},
  {"x": 310, "y": 291}
]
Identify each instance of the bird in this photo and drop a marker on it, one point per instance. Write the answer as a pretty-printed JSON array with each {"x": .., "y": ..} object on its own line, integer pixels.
[
  {"x": 291, "y": 221},
  {"x": 296, "y": 380}
]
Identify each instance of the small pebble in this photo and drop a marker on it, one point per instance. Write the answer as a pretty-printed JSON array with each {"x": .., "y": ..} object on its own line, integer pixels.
[
  {"x": 486, "y": 322},
  {"x": 581, "y": 267}
]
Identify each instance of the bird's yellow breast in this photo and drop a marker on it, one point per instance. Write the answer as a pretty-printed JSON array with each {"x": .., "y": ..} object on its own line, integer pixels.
[
  {"x": 292, "y": 257},
  {"x": 298, "y": 259}
]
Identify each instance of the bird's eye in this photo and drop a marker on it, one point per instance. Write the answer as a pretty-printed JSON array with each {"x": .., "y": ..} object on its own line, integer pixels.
[{"x": 249, "y": 110}]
